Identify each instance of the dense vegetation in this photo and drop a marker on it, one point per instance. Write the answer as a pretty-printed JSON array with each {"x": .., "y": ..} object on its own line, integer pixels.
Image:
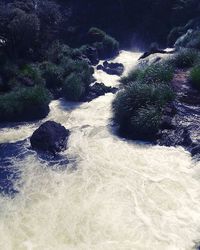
[
  {"x": 138, "y": 107},
  {"x": 50, "y": 45},
  {"x": 36, "y": 64}
]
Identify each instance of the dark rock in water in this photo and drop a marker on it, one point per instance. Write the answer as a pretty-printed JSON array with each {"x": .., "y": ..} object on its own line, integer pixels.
[
  {"x": 154, "y": 49},
  {"x": 100, "y": 67},
  {"x": 166, "y": 122},
  {"x": 112, "y": 68},
  {"x": 98, "y": 89},
  {"x": 195, "y": 151},
  {"x": 51, "y": 137}
]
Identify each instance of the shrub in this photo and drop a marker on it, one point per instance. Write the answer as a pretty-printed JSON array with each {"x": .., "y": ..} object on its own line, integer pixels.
[
  {"x": 79, "y": 67},
  {"x": 195, "y": 76},
  {"x": 24, "y": 104},
  {"x": 96, "y": 35},
  {"x": 185, "y": 58},
  {"x": 32, "y": 72},
  {"x": 155, "y": 73},
  {"x": 145, "y": 122},
  {"x": 106, "y": 45},
  {"x": 74, "y": 87},
  {"x": 77, "y": 83},
  {"x": 133, "y": 75},
  {"x": 138, "y": 104},
  {"x": 58, "y": 52},
  {"x": 20, "y": 29},
  {"x": 53, "y": 74}
]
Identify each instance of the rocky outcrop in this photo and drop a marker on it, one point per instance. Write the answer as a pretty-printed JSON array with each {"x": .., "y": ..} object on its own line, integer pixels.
[
  {"x": 181, "y": 121},
  {"x": 112, "y": 68},
  {"x": 50, "y": 137},
  {"x": 98, "y": 89}
]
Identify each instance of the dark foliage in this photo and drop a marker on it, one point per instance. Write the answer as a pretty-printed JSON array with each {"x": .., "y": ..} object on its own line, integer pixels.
[
  {"x": 138, "y": 108},
  {"x": 24, "y": 104}
]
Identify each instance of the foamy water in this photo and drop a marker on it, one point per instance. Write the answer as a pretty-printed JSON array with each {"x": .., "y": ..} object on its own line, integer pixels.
[{"x": 120, "y": 196}]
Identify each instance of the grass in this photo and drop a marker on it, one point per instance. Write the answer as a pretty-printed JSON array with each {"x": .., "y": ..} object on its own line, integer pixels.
[
  {"x": 155, "y": 73},
  {"x": 137, "y": 109},
  {"x": 185, "y": 58}
]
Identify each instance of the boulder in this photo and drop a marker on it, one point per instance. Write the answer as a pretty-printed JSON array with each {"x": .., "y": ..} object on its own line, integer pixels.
[
  {"x": 98, "y": 89},
  {"x": 195, "y": 151},
  {"x": 51, "y": 137},
  {"x": 112, "y": 68}
]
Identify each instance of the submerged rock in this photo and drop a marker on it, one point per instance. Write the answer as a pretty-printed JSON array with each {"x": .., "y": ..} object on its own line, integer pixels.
[
  {"x": 51, "y": 137},
  {"x": 112, "y": 68}
]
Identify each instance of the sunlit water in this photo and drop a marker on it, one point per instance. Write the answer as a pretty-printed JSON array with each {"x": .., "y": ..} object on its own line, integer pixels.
[{"x": 115, "y": 195}]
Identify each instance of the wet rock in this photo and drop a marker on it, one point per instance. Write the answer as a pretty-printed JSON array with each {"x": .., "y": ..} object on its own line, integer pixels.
[
  {"x": 154, "y": 49},
  {"x": 98, "y": 89},
  {"x": 180, "y": 122},
  {"x": 112, "y": 68},
  {"x": 51, "y": 137},
  {"x": 166, "y": 122},
  {"x": 195, "y": 151}
]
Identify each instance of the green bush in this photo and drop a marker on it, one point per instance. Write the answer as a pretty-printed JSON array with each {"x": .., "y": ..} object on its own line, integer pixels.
[
  {"x": 78, "y": 79},
  {"x": 80, "y": 67},
  {"x": 32, "y": 72},
  {"x": 24, "y": 104},
  {"x": 155, "y": 73},
  {"x": 146, "y": 122},
  {"x": 53, "y": 74},
  {"x": 195, "y": 76},
  {"x": 57, "y": 52},
  {"x": 74, "y": 87},
  {"x": 96, "y": 35},
  {"x": 185, "y": 58},
  {"x": 138, "y": 104},
  {"x": 106, "y": 45},
  {"x": 133, "y": 75}
]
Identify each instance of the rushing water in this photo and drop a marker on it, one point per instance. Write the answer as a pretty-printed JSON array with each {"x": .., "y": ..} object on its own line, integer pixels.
[{"x": 114, "y": 194}]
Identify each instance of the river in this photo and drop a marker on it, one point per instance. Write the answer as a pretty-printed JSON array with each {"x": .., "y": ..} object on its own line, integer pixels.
[{"x": 114, "y": 194}]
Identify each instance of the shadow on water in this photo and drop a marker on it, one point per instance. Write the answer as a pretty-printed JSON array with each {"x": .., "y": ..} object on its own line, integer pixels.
[
  {"x": 115, "y": 131},
  {"x": 12, "y": 156},
  {"x": 69, "y": 106}
]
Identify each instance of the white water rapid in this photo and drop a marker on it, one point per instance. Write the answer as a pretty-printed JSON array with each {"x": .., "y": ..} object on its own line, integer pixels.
[{"x": 120, "y": 196}]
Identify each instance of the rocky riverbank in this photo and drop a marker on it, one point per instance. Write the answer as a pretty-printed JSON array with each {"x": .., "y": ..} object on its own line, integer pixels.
[{"x": 181, "y": 120}]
